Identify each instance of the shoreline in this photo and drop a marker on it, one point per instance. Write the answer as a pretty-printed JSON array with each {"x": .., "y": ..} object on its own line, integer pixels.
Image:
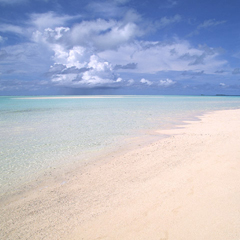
[
  {"x": 185, "y": 186},
  {"x": 50, "y": 175}
]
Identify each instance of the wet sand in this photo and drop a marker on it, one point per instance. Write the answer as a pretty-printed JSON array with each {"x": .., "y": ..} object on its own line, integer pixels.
[{"x": 186, "y": 186}]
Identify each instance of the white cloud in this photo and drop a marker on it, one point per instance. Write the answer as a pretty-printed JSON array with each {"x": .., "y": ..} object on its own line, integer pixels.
[
  {"x": 76, "y": 62},
  {"x": 11, "y": 28},
  {"x": 166, "y": 83},
  {"x": 130, "y": 82},
  {"x": 98, "y": 34},
  {"x": 210, "y": 23},
  {"x": 152, "y": 57},
  {"x": 75, "y": 57},
  {"x": 132, "y": 16},
  {"x": 145, "y": 81},
  {"x": 119, "y": 80},
  {"x": 104, "y": 34},
  {"x": 47, "y": 25},
  {"x": 51, "y": 36},
  {"x": 86, "y": 30},
  {"x": 206, "y": 24},
  {"x": 100, "y": 73},
  {"x": 88, "y": 53},
  {"x": 117, "y": 36},
  {"x": 79, "y": 67},
  {"x": 49, "y": 20}
]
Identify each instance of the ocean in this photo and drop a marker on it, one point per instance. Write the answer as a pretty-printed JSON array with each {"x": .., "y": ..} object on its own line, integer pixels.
[{"x": 42, "y": 133}]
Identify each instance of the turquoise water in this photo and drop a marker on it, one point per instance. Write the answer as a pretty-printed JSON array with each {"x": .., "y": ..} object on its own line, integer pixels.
[{"x": 38, "y": 133}]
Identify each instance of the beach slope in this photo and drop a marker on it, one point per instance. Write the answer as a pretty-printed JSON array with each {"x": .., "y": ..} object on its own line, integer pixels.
[{"x": 183, "y": 187}]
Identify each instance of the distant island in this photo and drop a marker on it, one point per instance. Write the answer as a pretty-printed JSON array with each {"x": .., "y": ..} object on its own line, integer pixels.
[
  {"x": 221, "y": 95},
  {"x": 226, "y": 95}
]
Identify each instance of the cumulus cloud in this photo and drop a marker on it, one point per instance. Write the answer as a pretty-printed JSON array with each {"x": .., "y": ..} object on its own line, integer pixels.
[
  {"x": 76, "y": 59},
  {"x": 99, "y": 34},
  {"x": 156, "y": 84},
  {"x": 49, "y": 25},
  {"x": 166, "y": 83},
  {"x": 84, "y": 55},
  {"x": 52, "y": 36},
  {"x": 130, "y": 82},
  {"x": 93, "y": 53},
  {"x": 76, "y": 62},
  {"x": 145, "y": 81},
  {"x": 78, "y": 67},
  {"x": 104, "y": 34}
]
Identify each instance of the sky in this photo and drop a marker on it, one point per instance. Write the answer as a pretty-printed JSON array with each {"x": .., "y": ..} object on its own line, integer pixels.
[{"x": 119, "y": 47}]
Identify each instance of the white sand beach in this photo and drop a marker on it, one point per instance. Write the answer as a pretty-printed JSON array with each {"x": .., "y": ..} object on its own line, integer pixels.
[{"x": 183, "y": 187}]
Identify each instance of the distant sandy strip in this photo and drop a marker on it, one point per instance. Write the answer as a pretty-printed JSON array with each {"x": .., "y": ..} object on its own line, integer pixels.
[
  {"x": 89, "y": 96},
  {"x": 184, "y": 187},
  {"x": 69, "y": 97}
]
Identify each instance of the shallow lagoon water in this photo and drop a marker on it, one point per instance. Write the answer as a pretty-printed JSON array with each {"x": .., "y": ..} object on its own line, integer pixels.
[{"x": 38, "y": 133}]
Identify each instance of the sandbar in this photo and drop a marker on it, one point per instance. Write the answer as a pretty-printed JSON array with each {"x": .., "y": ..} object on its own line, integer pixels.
[{"x": 86, "y": 96}]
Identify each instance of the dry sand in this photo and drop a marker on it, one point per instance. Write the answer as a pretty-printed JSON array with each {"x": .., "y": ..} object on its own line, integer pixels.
[{"x": 186, "y": 186}]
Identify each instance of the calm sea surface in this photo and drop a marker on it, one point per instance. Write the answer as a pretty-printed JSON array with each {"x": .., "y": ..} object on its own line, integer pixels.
[{"x": 38, "y": 133}]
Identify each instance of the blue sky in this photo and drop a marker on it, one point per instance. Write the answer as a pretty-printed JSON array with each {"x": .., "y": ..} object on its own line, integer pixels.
[{"x": 119, "y": 47}]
